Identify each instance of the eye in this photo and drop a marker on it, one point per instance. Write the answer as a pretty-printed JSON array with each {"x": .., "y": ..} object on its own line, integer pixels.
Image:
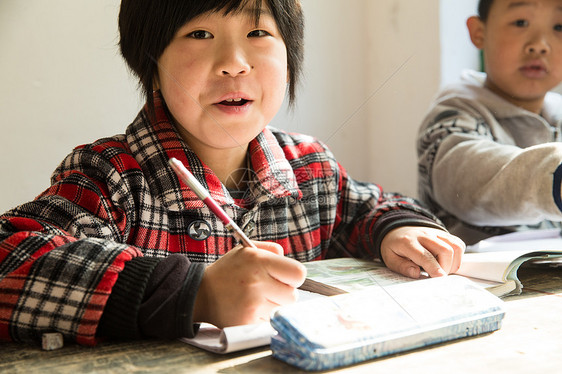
[
  {"x": 558, "y": 27},
  {"x": 521, "y": 23},
  {"x": 258, "y": 34},
  {"x": 200, "y": 34}
]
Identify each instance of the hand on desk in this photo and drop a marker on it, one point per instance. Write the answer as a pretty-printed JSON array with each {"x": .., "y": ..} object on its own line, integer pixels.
[
  {"x": 246, "y": 284},
  {"x": 408, "y": 249}
]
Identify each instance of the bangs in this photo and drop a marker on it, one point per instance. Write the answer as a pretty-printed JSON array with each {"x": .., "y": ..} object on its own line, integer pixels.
[{"x": 234, "y": 7}]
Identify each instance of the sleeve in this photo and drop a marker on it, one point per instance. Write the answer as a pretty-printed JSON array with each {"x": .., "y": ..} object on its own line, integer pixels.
[
  {"x": 65, "y": 261},
  {"x": 153, "y": 298},
  {"x": 468, "y": 173},
  {"x": 365, "y": 214},
  {"x": 52, "y": 281}
]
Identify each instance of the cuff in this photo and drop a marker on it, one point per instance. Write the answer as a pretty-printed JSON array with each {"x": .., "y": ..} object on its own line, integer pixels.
[
  {"x": 167, "y": 309},
  {"x": 120, "y": 315},
  {"x": 557, "y": 186},
  {"x": 185, "y": 324},
  {"x": 398, "y": 218}
]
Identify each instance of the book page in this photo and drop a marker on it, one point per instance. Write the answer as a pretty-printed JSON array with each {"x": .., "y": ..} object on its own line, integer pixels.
[
  {"x": 351, "y": 274},
  {"x": 498, "y": 258},
  {"x": 528, "y": 241},
  {"x": 502, "y": 266},
  {"x": 231, "y": 339},
  {"x": 490, "y": 265}
]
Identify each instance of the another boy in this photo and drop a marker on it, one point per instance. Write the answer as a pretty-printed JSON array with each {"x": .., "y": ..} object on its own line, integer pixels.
[{"x": 489, "y": 150}]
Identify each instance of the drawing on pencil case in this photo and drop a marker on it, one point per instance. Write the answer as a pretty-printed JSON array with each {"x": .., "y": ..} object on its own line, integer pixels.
[{"x": 341, "y": 330}]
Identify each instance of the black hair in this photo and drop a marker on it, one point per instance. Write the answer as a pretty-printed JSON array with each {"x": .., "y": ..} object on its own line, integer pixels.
[
  {"x": 484, "y": 9},
  {"x": 146, "y": 27}
]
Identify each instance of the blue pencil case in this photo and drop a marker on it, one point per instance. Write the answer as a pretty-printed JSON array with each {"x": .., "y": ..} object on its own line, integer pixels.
[{"x": 331, "y": 332}]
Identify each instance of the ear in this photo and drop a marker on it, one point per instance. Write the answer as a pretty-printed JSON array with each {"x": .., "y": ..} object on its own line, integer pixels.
[
  {"x": 155, "y": 82},
  {"x": 476, "y": 31}
]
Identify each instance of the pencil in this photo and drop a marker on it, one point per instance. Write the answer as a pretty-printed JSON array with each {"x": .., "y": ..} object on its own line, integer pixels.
[{"x": 204, "y": 195}]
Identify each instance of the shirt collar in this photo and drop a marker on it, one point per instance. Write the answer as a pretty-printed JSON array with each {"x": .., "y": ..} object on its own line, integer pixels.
[
  {"x": 154, "y": 140},
  {"x": 473, "y": 88}
]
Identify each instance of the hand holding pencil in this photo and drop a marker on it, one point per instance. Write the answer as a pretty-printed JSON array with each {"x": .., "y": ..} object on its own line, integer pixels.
[{"x": 249, "y": 281}]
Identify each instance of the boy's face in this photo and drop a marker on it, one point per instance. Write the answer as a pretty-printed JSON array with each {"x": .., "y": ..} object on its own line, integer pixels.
[
  {"x": 224, "y": 78},
  {"x": 522, "y": 44}
]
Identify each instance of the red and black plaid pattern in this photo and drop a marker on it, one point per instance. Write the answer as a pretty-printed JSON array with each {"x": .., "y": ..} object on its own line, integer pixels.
[{"x": 117, "y": 198}]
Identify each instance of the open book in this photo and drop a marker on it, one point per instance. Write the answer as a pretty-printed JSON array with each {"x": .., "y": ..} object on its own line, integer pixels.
[
  {"x": 335, "y": 276},
  {"x": 496, "y": 260}
]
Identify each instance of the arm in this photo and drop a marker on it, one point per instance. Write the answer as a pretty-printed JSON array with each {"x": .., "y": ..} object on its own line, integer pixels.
[
  {"x": 472, "y": 175},
  {"x": 51, "y": 281},
  {"x": 351, "y": 218},
  {"x": 64, "y": 254},
  {"x": 396, "y": 230}
]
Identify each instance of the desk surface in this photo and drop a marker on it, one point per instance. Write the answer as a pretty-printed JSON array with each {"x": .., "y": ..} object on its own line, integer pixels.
[{"x": 530, "y": 340}]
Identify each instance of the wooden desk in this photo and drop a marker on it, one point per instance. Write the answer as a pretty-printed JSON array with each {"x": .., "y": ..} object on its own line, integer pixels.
[{"x": 530, "y": 341}]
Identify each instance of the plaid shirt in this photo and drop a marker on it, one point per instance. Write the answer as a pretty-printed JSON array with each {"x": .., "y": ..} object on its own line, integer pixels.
[{"x": 117, "y": 199}]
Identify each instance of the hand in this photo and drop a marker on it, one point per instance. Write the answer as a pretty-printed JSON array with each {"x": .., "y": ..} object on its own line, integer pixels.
[
  {"x": 409, "y": 249},
  {"x": 246, "y": 284}
]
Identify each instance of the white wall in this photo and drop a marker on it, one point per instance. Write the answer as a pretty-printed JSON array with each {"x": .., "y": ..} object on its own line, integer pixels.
[
  {"x": 63, "y": 85},
  {"x": 371, "y": 70},
  {"x": 404, "y": 70},
  {"x": 458, "y": 52},
  {"x": 334, "y": 82}
]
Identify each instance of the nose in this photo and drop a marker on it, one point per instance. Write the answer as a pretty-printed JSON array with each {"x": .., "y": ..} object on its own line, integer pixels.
[
  {"x": 232, "y": 61},
  {"x": 538, "y": 45}
]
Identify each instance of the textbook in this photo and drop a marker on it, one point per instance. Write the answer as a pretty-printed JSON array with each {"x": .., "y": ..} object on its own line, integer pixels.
[
  {"x": 335, "y": 276},
  {"x": 348, "y": 328},
  {"x": 497, "y": 259}
]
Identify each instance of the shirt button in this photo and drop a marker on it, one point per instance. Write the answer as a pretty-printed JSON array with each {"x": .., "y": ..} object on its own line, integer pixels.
[
  {"x": 250, "y": 227},
  {"x": 199, "y": 230}
]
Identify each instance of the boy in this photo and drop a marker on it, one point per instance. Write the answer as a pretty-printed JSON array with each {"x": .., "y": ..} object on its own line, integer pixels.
[
  {"x": 489, "y": 150},
  {"x": 118, "y": 246}
]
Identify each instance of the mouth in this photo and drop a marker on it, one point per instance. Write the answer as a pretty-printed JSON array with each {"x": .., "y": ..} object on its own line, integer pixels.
[
  {"x": 534, "y": 69},
  {"x": 234, "y": 102}
]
